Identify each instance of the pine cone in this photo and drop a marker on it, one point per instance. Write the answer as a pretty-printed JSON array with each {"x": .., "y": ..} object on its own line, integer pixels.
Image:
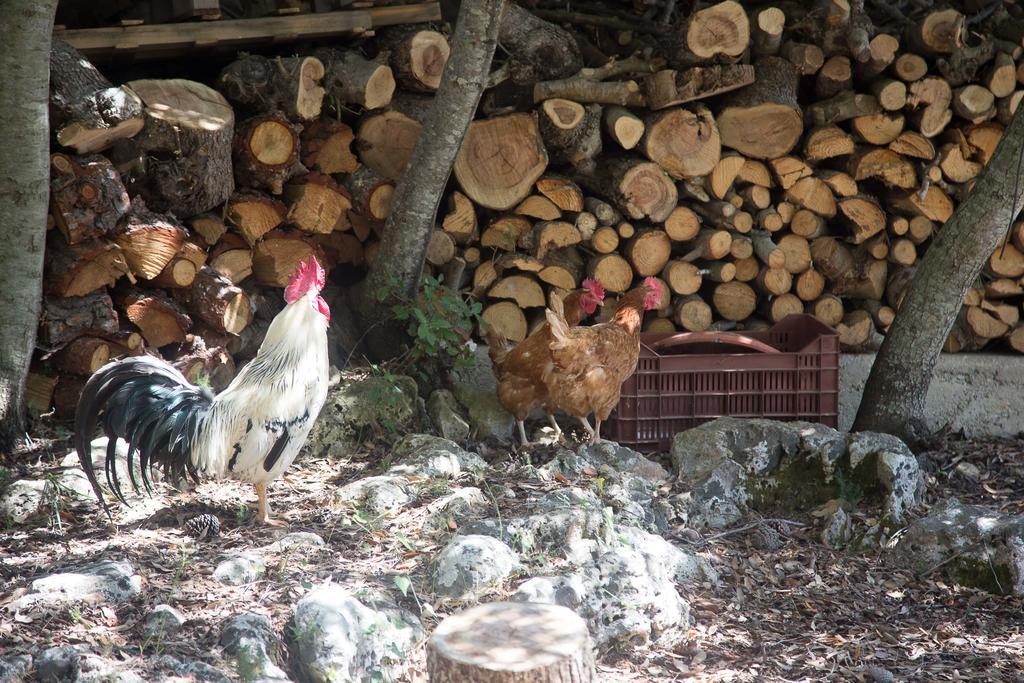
[
  {"x": 767, "y": 537},
  {"x": 202, "y": 526}
]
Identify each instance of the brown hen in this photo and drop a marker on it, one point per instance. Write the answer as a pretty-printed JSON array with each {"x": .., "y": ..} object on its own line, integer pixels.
[
  {"x": 520, "y": 369},
  {"x": 589, "y": 364}
]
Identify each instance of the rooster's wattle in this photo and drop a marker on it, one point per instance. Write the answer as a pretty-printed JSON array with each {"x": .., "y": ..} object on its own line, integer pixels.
[{"x": 251, "y": 431}]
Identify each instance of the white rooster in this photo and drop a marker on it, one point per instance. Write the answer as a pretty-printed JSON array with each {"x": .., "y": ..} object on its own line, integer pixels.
[{"x": 251, "y": 431}]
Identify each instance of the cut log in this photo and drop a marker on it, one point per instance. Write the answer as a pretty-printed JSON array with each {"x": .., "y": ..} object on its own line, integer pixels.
[
  {"x": 564, "y": 193},
  {"x": 483, "y": 277},
  {"x": 181, "y": 160},
  {"x": 578, "y": 89},
  {"x": 778, "y": 307},
  {"x": 317, "y": 204},
  {"x": 766, "y": 250},
  {"x": 1006, "y": 313},
  {"x": 835, "y": 76},
  {"x": 828, "y": 308},
  {"x": 813, "y": 194},
  {"x": 975, "y": 103},
  {"x": 920, "y": 229},
  {"x": 491, "y": 177},
  {"x": 773, "y": 281},
  {"x": 64, "y": 318},
  {"x": 263, "y": 85},
  {"x": 1006, "y": 107},
  {"x": 488, "y": 642},
  {"x": 350, "y": 78},
  {"x": 326, "y": 147},
  {"x": 683, "y": 277},
  {"x": 755, "y": 172},
  {"x": 855, "y": 330},
  {"x": 798, "y": 253},
  {"x": 903, "y": 252},
  {"x": 182, "y": 269},
  {"x": 757, "y": 198},
  {"x": 505, "y": 232},
  {"x": 149, "y": 240},
  {"x": 764, "y": 120},
  {"x": 417, "y": 57},
  {"x": 626, "y": 230},
  {"x": 724, "y": 173},
  {"x": 840, "y": 183},
  {"x": 563, "y": 268},
  {"x": 885, "y": 165},
  {"x": 217, "y": 302},
  {"x": 200, "y": 363},
  {"x": 788, "y": 170},
  {"x": 507, "y": 319},
  {"x": 571, "y": 132},
  {"x": 232, "y": 258},
  {"x": 827, "y": 142},
  {"x": 278, "y": 254},
  {"x": 710, "y": 245},
  {"x": 385, "y": 140},
  {"x": 254, "y": 214},
  {"x": 266, "y": 153},
  {"x": 985, "y": 325},
  {"x": 522, "y": 289},
  {"x": 440, "y": 248},
  {"x": 912, "y": 144},
  {"x": 160, "y": 320},
  {"x": 605, "y": 240},
  {"x": 855, "y": 276},
  {"x": 670, "y": 87},
  {"x": 891, "y": 94},
  {"x": 767, "y": 30},
  {"x": 909, "y": 67},
  {"x": 538, "y": 50},
  {"x": 934, "y": 205},
  {"x": 878, "y": 246},
  {"x": 720, "y": 32},
  {"x": 612, "y": 271},
  {"x": 938, "y": 33},
  {"x": 209, "y": 227},
  {"x": 87, "y": 197},
  {"x": 640, "y": 189},
  {"x": 460, "y": 222},
  {"x": 719, "y": 271},
  {"x": 807, "y": 224},
  {"x": 955, "y": 168},
  {"x": 370, "y": 194},
  {"x": 881, "y": 314},
  {"x": 806, "y": 58},
  {"x": 878, "y": 129},
  {"x": 684, "y": 142},
  {"x": 39, "y": 390},
  {"x": 692, "y": 313},
  {"x": 882, "y": 51},
  {"x": 624, "y": 127},
  {"x": 809, "y": 285},
  {"x": 931, "y": 97},
  {"x": 747, "y": 268},
  {"x": 682, "y": 224},
  {"x": 648, "y": 251},
  {"x": 843, "y": 107},
  {"x": 864, "y": 216},
  {"x": 87, "y": 112},
  {"x": 734, "y": 300},
  {"x": 1006, "y": 261}
]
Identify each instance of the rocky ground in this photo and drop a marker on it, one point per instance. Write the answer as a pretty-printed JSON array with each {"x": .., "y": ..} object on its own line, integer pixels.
[{"x": 753, "y": 551}]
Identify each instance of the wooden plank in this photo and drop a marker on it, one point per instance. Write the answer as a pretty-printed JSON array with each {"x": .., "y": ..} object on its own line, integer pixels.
[{"x": 165, "y": 39}]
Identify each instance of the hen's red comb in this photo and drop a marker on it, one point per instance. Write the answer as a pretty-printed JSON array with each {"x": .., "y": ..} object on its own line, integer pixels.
[
  {"x": 595, "y": 288},
  {"x": 308, "y": 275}
]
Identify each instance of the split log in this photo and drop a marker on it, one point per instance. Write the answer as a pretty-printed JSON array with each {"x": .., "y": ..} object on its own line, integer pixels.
[
  {"x": 87, "y": 197},
  {"x": 1006, "y": 261},
  {"x": 855, "y": 331},
  {"x": 182, "y": 269},
  {"x": 549, "y": 235},
  {"x": 539, "y": 207},
  {"x": 878, "y": 129},
  {"x": 505, "y": 232},
  {"x": 209, "y": 227},
  {"x": 266, "y": 153},
  {"x": 855, "y": 276},
  {"x": 326, "y": 147},
  {"x": 763, "y": 120},
  {"x": 340, "y": 247},
  {"x": 460, "y": 222},
  {"x": 385, "y": 140},
  {"x": 87, "y": 112},
  {"x": 624, "y": 127},
  {"x": 864, "y": 216},
  {"x": 232, "y": 258},
  {"x": 493, "y": 179},
  {"x": 317, "y": 204},
  {"x": 263, "y": 85},
  {"x": 212, "y": 365},
  {"x": 64, "y": 318},
  {"x": 522, "y": 289},
  {"x": 932, "y": 97},
  {"x": 789, "y": 170},
  {"x": 686, "y": 143},
  {"x": 720, "y": 32},
  {"x": 934, "y": 205},
  {"x": 563, "y": 193},
  {"x": 884, "y": 164},
  {"x": 149, "y": 240},
  {"x": 755, "y": 172},
  {"x": 571, "y": 132},
  {"x": 827, "y": 142},
  {"x": 670, "y": 87},
  {"x": 813, "y": 194},
  {"x": 563, "y": 268},
  {"x": 840, "y": 183},
  {"x": 724, "y": 174},
  {"x": 350, "y": 78},
  {"x": 1006, "y": 107},
  {"x": 181, "y": 160},
  {"x": 39, "y": 390},
  {"x": 955, "y": 167},
  {"x": 160, "y": 320},
  {"x": 254, "y": 214},
  {"x": 912, "y": 144},
  {"x": 507, "y": 319},
  {"x": 417, "y": 56},
  {"x": 278, "y": 254}
]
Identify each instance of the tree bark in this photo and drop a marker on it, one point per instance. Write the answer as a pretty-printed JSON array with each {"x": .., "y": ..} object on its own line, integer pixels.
[
  {"x": 894, "y": 397},
  {"x": 418, "y": 194},
  {"x": 24, "y": 183}
]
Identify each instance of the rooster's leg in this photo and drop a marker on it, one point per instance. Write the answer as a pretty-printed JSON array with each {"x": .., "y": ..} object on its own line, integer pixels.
[
  {"x": 522, "y": 433},
  {"x": 554, "y": 425},
  {"x": 263, "y": 507}
]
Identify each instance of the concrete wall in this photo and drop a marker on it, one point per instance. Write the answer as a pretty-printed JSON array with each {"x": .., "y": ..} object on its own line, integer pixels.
[{"x": 979, "y": 393}]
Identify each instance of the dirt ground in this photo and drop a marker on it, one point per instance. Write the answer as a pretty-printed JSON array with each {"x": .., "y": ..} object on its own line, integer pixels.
[{"x": 798, "y": 612}]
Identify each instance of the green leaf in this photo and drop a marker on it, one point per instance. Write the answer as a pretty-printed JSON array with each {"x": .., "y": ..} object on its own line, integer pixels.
[{"x": 403, "y": 584}]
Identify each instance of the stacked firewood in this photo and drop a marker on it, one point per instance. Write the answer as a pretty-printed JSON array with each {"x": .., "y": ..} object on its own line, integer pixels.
[{"x": 759, "y": 161}]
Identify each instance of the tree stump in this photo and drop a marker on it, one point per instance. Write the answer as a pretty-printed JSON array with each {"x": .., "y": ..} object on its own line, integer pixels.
[{"x": 511, "y": 642}]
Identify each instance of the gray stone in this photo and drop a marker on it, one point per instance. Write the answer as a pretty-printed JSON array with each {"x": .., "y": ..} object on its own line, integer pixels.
[
  {"x": 249, "y": 639},
  {"x": 567, "y": 591},
  {"x": 838, "y": 529},
  {"x": 551, "y": 531},
  {"x": 357, "y": 408},
  {"x": 461, "y": 506},
  {"x": 15, "y": 668},
  {"x": 443, "y": 410},
  {"x": 379, "y": 496},
  {"x": 423, "y": 455},
  {"x": 979, "y": 546},
  {"x": 337, "y": 637},
  {"x": 477, "y": 372},
  {"x": 471, "y": 564},
  {"x": 191, "y": 669},
  {"x": 22, "y": 499},
  {"x": 297, "y": 540},
  {"x": 487, "y": 417},
  {"x": 240, "y": 569},
  {"x": 624, "y": 460},
  {"x": 163, "y": 621},
  {"x": 64, "y": 664},
  {"x": 106, "y": 581},
  {"x": 730, "y": 466}
]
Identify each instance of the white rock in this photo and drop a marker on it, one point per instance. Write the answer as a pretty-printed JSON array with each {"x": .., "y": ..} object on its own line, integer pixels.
[
  {"x": 296, "y": 540},
  {"x": 379, "y": 496},
  {"x": 107, "y": 581},
  {"x": 468, "y": 565},
  {"x": 424, "y": 455},
  {"x": 22, "y": 499},
  {"x": 239, "y": 569},
  {"x": 250, "y": 640},
  {"x": 163, "y": 621}
]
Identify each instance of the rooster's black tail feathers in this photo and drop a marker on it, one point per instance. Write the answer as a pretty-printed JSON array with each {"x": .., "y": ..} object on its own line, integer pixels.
[{"x": 150, "y": 405}]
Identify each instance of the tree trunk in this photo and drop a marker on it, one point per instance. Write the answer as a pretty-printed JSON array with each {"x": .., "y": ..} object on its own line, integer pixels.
[
  {"x": 410, "y": 225},
  {"x": 24, "y": 182},
  {"x": 894, "y": 397}
]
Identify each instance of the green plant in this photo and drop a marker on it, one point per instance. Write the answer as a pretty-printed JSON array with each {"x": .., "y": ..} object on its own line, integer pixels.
[
  {"x": 203, "y": 380},
  {"x": 388, "y": 394},
  {"x": 438, "y": 320}
]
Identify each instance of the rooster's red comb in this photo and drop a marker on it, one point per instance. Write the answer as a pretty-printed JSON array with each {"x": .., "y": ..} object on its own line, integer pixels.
[
  {"x": 595, "y": 288},
  {"x": 308, "y": 275}
]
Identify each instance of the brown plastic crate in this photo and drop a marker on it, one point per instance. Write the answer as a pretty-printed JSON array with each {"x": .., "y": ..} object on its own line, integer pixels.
[{"x": 787, "y": 372}]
